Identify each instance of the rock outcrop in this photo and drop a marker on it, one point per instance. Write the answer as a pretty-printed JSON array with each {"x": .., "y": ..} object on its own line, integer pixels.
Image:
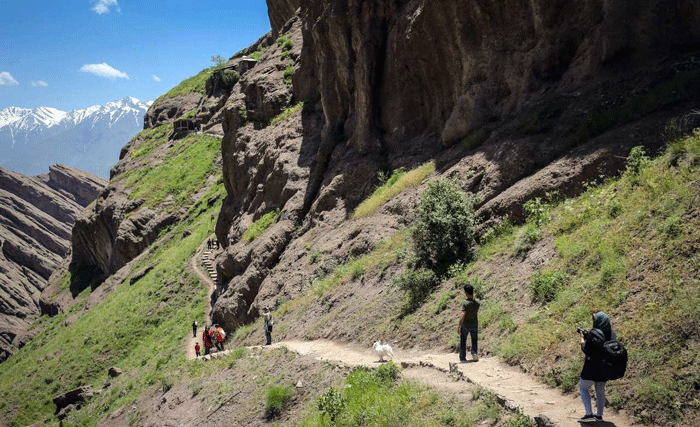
[
  {"x": 118, "y": 227},
  {"x": 36, "y": 217},
  {"x": 509, "y": 98}
]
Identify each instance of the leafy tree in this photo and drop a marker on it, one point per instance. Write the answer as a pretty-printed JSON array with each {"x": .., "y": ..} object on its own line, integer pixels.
[
  {"x": 444, "y": 228},
  {"x": 218, "y": 60}
]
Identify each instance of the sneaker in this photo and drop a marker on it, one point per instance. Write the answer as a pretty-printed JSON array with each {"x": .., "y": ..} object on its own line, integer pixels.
[
  {"x": 598, "y": 417},
  {"x": 588, "y": 418},
  {"x": 475, "y": 357},
  {"x": 462, "y": 360}
]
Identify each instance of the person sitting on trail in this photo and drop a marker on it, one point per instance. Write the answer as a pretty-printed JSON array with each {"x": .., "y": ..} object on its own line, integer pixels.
[
  {"x": 194, "y": 328},
  {"x": 206, "y": 338},
  {"x": 591, "y": 373},
  {"x": 196, "y": 350},
  {"x": 469, "y": 325},
  {"x": 268, "y": 325},
  {"x": 220, "y": 337}
]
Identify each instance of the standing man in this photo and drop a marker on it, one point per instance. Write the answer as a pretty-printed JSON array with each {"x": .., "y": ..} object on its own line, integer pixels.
[
  {"x": 469, "y": 325},
  {"x": 268, "y": 325},
  {"x": 194, "y": 328}
]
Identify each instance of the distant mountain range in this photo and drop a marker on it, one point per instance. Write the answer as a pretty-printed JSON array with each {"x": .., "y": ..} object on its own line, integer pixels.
[{"x": 88, "y": 139}]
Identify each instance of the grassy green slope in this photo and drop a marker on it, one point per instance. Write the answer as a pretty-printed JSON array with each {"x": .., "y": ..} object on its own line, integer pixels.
[
  {"x": 627, "y": 246},
  {"x": 140, "y": 326}
]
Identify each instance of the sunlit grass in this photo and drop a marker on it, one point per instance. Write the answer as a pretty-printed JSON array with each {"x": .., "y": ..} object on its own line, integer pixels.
[{"x": 391, "y": 188}]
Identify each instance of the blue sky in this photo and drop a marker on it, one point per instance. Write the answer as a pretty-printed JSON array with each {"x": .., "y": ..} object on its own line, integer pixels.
[{"x": 71, "y": 54}]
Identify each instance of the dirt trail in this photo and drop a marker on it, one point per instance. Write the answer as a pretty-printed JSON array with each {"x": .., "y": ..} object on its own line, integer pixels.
[
  {"x": 516, "y": 388},
  {"x": 211, "y": 288}
]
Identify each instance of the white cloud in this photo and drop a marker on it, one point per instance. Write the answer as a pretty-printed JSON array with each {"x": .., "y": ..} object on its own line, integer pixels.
[
  {"x": 103, "y": 70},
  {"x": 39, "y": 83},
  {"x": 6, "y": 79},
  {"x": 103, "y": 6},
  {"x": 156, "y": 78}
]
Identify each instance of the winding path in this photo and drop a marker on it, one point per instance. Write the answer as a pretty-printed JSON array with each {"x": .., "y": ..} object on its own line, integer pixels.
[
  {"x": 204, "y": 253},
  {"x": 514, "y": 388}
]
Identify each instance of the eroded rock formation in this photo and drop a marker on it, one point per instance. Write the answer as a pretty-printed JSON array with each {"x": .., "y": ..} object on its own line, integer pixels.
[
  {"x": 503, "y": 96},
  {"x": 36, "y": 216}
]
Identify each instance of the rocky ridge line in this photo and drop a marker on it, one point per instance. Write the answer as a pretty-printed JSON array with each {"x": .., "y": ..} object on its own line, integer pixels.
[{"x": 36, "y": 217}]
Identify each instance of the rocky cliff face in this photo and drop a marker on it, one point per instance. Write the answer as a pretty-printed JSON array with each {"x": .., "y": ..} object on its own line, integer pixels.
[
  {"x": 36, "y": 216},
  {"x": 512, "y": 99}
]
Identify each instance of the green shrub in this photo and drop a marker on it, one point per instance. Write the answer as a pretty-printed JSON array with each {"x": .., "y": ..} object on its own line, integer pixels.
[
  {"x": 218, "y": 60},
  {"x": 537, "y": 211},
  {"x": 258, "y": 53},
  {"x": 259, "y": 227},
  {"x": 387, "y": 372},
  {"x": 444, "y": 227},
  {"x": 276, "y": 398},
  {"x": 332, "y": 403},
  {"x": 223, "y": 79},
  {"x": 285, "y": 43},
  {"x": 635, "y": 161},
  {"x": 287, "y": 113},
  {"x": 287, "y": 75},
  {"x": 418, "y": 284},
  {"x": 546, "y": 285}
]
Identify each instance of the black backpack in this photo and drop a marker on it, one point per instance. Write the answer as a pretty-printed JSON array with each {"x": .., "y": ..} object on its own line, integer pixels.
[{"x": 613, "y": 357}]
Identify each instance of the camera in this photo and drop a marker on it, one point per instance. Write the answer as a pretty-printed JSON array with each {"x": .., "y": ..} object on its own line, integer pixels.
[{"x": 580, "y": 330}]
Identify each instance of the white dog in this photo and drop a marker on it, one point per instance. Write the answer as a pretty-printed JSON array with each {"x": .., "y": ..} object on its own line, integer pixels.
[{"x": 383, "y": 350}]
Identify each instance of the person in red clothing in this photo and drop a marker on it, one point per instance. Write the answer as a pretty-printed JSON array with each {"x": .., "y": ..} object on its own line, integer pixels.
[
  {"x": 196, "y": 349},
  {"x": 220, "y": 336},
  {"x": 206, "y": 338}
]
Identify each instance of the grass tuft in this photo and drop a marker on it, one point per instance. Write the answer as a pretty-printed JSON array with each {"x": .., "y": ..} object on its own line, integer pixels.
[{"x": 392, "y": 187}]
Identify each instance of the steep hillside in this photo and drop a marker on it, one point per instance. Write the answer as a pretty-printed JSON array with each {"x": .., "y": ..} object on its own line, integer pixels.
[
  {"x": 36, "y": 216},
  {"x": 331, "y": 128},
  {"x": 552, "y": 103}
]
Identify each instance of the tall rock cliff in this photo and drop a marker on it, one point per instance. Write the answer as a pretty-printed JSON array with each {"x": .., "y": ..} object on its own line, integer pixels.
[
  {"x": 36, "y": 217},
  {"x": 513, "y": 99}
]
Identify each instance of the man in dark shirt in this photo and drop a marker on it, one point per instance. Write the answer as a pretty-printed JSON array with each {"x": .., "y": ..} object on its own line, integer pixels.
[{"x": 469, "y": 325}]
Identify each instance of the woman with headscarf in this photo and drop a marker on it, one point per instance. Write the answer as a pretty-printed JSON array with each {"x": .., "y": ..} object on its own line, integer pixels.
[{"x": 591, "y": 375}]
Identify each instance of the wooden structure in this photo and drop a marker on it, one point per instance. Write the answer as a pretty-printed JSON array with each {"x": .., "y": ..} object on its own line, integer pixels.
[{"x": 184, "y": 125}]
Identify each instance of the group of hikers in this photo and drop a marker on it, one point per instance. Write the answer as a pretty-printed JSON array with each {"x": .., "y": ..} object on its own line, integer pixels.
[
  {"x": 605, "y": 357},
  {"x": 212, "y": 244},
  {"x": 215, "y": 336},
  {"x": 212, "y": 337}
]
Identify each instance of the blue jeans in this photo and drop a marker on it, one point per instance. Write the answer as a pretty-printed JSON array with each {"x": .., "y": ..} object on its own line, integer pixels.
[
  {"x": 474, "y": 332},
  {"x": 584, "y": 388}
]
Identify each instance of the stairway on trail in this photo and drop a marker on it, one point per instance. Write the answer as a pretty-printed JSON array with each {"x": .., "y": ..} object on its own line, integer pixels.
[{"x": 208, "y": 260}]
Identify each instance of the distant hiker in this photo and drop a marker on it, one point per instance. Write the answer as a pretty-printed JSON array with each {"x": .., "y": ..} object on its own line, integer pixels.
[
  {"x": 268, "y": 325},
  {"x": 220, "y": 337},
  {"x": 209, "y": 244},
  {"x": 592, "y": 347},
  {"x": 469, "y": 325},
  {"x": 194, "y": 328},
  {"x": 196, "y": 349},
  {"x": 217, "y": 243},
  {"x": 206, "y": 339}
]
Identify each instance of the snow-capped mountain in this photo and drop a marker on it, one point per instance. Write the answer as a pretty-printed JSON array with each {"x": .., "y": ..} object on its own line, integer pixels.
[{"x": 88, "y": 139}]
